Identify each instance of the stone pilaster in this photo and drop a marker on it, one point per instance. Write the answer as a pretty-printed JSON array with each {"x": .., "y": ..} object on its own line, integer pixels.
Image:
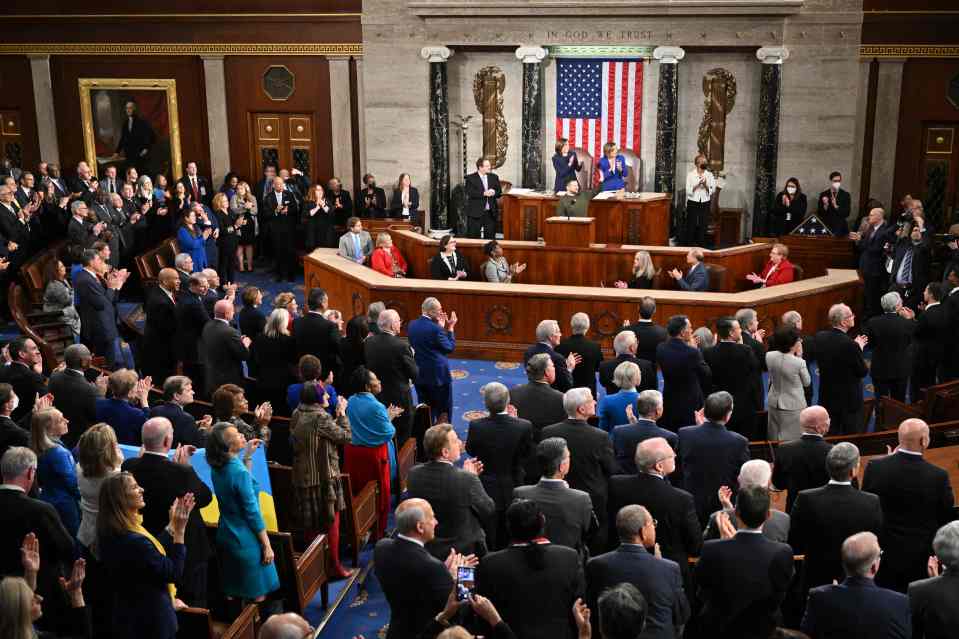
[
  {"x": 214, "y": 76},
  {"x": 439, "y": 136},
  {"x": 666, "y": 116},
  {"x": 341, "y": 131},
  {"x": 767, "y": 136},
  {"x": 43, "y": 100},
  {"x": 532, "y": 149}
]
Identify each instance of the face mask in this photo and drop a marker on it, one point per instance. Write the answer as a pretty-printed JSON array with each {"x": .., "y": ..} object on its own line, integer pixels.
[
  {"x": 836, "y": 185},
  {"x": 791, "y": 190}
]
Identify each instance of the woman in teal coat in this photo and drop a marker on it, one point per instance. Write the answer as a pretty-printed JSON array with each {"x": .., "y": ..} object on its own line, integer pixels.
[{"x": 246, "y": 557}]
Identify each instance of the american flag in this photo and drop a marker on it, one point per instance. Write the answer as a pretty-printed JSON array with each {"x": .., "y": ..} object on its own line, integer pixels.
[{"x": 599, "y": 101}]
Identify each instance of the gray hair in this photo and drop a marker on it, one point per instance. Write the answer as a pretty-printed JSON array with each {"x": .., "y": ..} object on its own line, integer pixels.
[
  {"x": 496, "y": 397},
  {"x": 858, "y": 553},
  {"x": 837, "y": 313},
  {"x": 579, "y": 324},
  {"x": 75, "y": 354},
  {"x": 649, "y": 452},
  {"x": 890, "y": 302},
  {"x": 574, "y": 398},
  {"x": 791, "y": 319},
  {"x": 278, "y": 323},
  {"x": 536, "y": 366},
  {"x": 385, "y": 320},
  {"x": 704, "y": 337},
  {"x": 546, "y": 329},
  {"x": 16, "y": 461},
  {"x": 630, "y": 521},
  {"x": 373, "y": 311},
  {"x": 745, "y": 317},
  {"x": 755, "y": 472},
  {"x": 430, "y": 304},
  {"x": 180, "y": 260},
  {"x": 623, "y": 341},
  {"x": 718, "y": 405},
  {"x": 627, "y": 375},
  {"x": 648, "y": 403},
  {"x": 841, "y": 461},
  {"x": 946, "y": 545},
  {"x": 154, "y": 431},
  {"x": 75, "y": 206},
  {"x": 407, "y": 520},
  {"x": 550, "y": 454}
]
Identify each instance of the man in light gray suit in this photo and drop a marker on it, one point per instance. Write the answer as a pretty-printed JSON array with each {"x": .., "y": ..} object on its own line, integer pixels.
[
  {"x": 758, "y": 473},
  {"x": 356, "y": 243},
  {"x": 569, "y": 512}
]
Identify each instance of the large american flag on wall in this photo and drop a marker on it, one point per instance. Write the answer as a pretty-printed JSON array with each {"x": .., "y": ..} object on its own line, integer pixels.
[{"x": 599, "y": 101}]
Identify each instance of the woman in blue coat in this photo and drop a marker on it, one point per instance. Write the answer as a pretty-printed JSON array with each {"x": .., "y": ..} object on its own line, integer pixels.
[
  {"x": 246, "y": 557},
  {"x": 612, "y": 168},
  {"x": 192, "y": 240},
  {"x": 140, "y": 568},
  {"x": 565, "y": 163},
  {"x": 56, "y": 470}
]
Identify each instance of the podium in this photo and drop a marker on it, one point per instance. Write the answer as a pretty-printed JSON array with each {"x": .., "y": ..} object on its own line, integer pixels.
[{"x": 574, "y": 232}]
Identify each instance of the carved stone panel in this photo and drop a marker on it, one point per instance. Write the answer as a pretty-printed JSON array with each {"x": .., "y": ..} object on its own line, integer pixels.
[
  {"x": 719, "y": 90},
  {"x": 488, "y": 87}
]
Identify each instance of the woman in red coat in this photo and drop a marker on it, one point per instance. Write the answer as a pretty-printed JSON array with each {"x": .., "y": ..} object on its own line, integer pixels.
[
  {"x": 386, "y": 258},
  {"x": 778, "y": 269}
]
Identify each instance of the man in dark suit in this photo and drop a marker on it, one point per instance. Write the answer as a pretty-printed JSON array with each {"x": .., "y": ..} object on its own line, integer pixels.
[
  {"x": 74, "y": 394},
  {"x": 80, "y": 230},
  {"x": 801, "y": 464},
  {"x": 341, "y": 201},
  {"x": 934, "y": 602},
  {"x": 532, "y": 583},
  {"x": 432, "y": 339},
  {"x": 591, "y": 452},
  {"x": 20, "y": 515},
  {"x": 890, "y": 337},
  {"x": 222, "y": 349},
  {"x": 624, "y": 346},
  {"x": 916, "y": 499},
  {"x": 318, "y": 336},
  {"x": 197, "y": 186},
  {"x": 659, "y": 580},
  {"x": 461, "y": 503},
  {"x": 503, "y": 443},
  {"x": 929, "y": 339},
  {"x": 280, "y": 216},
  {"x": 841, "y": 371},
  {"x": 753, "y": 337},
  {"x": 823, "y": 518},
  {"x": 678, "y": 529},
  {"x": 696, "y": 278},
  {"x": 570, "y": 520},
  {"x": 626, "y": 437},
  {"x": 911, "y": 263},
  {"x": 162, "y": 482},
  {"x": 482, "y": 201},
  {"x": 538, "y": 402},
  {"x": 192, "y": 317},
  {"x": 743, "y": 577},
  {"x": 402, "y": 561},
  {"x": 649, "y": 334},
  {"x": 136, "y": 139},
  {"x": 548, "y": 337},
  {"x": 187, "y": 431},
  {"x": 857, "y": 608},
  {"x": 371, "y": 199},
  {"x": 11, "y": 433},
  {"x": 584, "y": 374},
  {"x": 736, "y": 370},
  {"x": 949, "y": 369},
  {"x": 391, "y": 359},
  {"x": 872, "y": 244},
  {"x": 685, "y": 374},
  {"x": 96, "y": 304},
  {"x": 158, "y": 360},
  {"x": 24, "y": 375},
  {"x": 834, "y": 206},
  {"x": 711, "y": 456},
  {"x": 755, "y": 472}
]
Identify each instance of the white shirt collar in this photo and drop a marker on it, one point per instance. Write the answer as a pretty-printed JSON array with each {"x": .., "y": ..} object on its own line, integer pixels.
[
  {"x": 909, "y": 452},
  {"x": 220, "y": 319},
  {"x": 550, "y": 480},
  {"x": 833, "y": 482},
  {"x": 751, "y": 531},
  {"x": 660, "y": 475},
  {"x": 153, "y": 452},
  {"x": 931, "y": 304},
  {"x": 413, "y": 540},
  {"x": 12, "y": 487}
]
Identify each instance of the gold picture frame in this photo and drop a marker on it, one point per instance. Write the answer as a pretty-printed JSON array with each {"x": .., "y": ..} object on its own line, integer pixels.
[{"x": 101, "y": 125}]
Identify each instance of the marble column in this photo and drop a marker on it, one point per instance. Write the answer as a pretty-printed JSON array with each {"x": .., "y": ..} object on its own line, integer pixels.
[
  {"x": 532, "y": 157},
  {"x": 439, "y": 136},
  {"x": 341, "y": 131},
  {"x": 767, "y": 136},
  {"x": 666, "y": 117},
  {"x": 214, "y": 76},
  {"x": 43, "y": 101},
  {"x": 360, "y": 133},
  {"x": 886, "y": 131}
]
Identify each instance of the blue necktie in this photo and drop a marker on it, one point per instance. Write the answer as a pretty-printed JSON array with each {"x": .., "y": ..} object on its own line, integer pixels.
[
  {"x": 905, "y": 271},
  {"x": 356, "y": 246}
]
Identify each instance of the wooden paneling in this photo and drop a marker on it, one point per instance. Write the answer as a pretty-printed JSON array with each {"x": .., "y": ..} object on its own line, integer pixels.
[
  {"x": 190, "y": 91},
  {"x": 16, "y": 95},
  {"x": 225, "y": 7},
  {"x": 246, "y": 99},
  {"x": 499, "y": 320}
]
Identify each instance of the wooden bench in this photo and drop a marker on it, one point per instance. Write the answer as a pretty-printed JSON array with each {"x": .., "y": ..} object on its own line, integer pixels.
[
  {"x": 360, "y": 516},
  {"x": 938, "y": 403},
  {"x": 198, "y": 623},
  {"x": 32, "y": 271},
  {"x": 48, "y": 329},
  {"x": 284, "y": 500},
  {"x": 301, "y": 574},
  {"x": 405, "y": 460},
  {"x": 422, "y": 420},
  {"x": 162, "y": 256},
  {"x": 766, "y": 449}
]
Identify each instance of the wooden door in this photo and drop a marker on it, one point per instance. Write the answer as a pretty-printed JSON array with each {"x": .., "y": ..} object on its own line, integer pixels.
[
  {"x": 11, "y": 139},
  {"x": 939, "y": 173},
  {"x": 285, "y": 139}
]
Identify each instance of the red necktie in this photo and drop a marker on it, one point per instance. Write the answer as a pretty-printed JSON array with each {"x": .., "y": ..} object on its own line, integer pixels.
[{"x": 196, "y": 190}]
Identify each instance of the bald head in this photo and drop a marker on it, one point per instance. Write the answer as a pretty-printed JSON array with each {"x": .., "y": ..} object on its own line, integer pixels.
[
  {"x": 168, "y": 278},
  {"x": 223, "y": 309},
  {"x": 914, "y": 435},
  {"x": 814, "y": 420},
  {"x": 157, "y": 434},
  {"x": 860, "y": 555},
  {"x": 651, "y": 452},
  {"x": 289, "y": 625}
]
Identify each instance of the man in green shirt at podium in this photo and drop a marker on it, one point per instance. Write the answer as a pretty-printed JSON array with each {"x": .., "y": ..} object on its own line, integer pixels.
[{"x": 575, "y": 202}]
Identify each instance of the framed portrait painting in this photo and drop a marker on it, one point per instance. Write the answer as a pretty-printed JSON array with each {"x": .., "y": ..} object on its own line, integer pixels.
[{"x": 131, "y": 122}]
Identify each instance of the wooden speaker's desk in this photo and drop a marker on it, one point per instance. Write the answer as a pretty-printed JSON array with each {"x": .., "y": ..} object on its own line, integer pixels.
[
  {"x": 499, "y": 320},
  {"x": 642, "y": 219}
]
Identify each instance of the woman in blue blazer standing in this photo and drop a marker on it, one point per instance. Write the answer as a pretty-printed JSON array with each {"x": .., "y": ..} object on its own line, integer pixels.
[
  {"x": 612, "y": 168},
  {"x": 56, "y": 470},
  {"x": 565, "y": 163},
  {"x": 192, "y": 240},
  {"x": 140, "y": 568},
  {"x": 246, "y": 557}
]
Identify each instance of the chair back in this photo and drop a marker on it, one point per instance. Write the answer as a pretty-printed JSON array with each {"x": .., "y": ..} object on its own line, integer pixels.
[
  {"x": 634, "y": 180},
  {"x": 715, "y": 277},
  {"x": 587, "y": 166},
  {"x": 799, "y": 272},
  {"x": 245, "y": 626}
]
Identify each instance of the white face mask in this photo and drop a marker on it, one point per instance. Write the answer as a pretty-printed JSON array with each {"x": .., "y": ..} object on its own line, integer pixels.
[
  {"x": 836, "y": 185},
  {"x": 791, "y": 190}
]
